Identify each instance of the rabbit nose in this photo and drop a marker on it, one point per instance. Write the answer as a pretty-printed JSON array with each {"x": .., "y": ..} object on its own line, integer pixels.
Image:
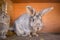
[{"x": 37, "y": 28}]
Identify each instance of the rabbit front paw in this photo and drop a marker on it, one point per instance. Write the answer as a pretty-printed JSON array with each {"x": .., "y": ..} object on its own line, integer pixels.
[{"x": 35, "y": 34}]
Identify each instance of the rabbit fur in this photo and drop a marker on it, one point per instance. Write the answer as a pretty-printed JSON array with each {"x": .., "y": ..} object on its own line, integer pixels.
[
  {"x": 30, "y": 21},
  {"x": 4, "y": 24}
]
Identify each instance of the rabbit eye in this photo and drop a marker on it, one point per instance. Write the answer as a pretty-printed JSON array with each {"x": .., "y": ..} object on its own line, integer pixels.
[{"x": 33, "y": 20}]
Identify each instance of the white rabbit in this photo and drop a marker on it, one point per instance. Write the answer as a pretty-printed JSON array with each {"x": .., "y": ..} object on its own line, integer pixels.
[
  {"x": 30, "y": 21},
  {"x": 4, "y": 24}
]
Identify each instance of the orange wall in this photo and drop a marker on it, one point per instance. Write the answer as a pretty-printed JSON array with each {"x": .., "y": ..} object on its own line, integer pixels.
[{"x": 51, "y": 20}]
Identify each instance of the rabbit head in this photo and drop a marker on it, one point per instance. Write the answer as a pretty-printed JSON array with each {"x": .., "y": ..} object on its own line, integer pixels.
[{"x": 36, "y": 17}]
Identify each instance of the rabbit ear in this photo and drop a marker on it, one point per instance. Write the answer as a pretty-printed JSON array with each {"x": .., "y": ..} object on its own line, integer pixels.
[
  {"x": 30, "y": 10},
  {"x": 42, "y": 12}
]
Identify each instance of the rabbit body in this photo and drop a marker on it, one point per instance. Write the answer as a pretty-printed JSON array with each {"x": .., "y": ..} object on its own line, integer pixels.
[
  {"x": 4, "y": 24},
  {"x": 22, "y": 25}
]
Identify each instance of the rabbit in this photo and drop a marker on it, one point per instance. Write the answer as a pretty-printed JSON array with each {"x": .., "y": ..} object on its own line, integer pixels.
[
  {"x": 30, "y": 22},
  {"x": 4, "y": 24}
]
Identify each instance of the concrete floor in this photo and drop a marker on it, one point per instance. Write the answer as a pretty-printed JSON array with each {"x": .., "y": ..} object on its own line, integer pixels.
[{"x": 44, "y": 36}]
